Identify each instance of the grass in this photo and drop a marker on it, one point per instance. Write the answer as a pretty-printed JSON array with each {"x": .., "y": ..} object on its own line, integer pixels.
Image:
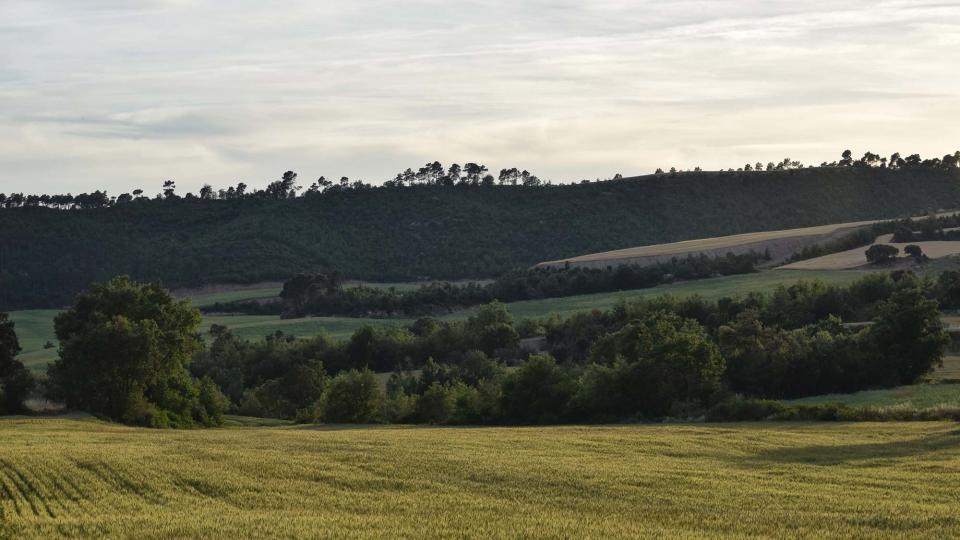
[
  {"x": 919, "y": 396},
  {"x": 34, "y": 329},
  {"x": 208, "y": 299},
  {"x": 257, "y": 326},
  {"x": 273, "y": 291},
  {"x": 82, "y": 478},
  {"x": 712, "y": 289}
]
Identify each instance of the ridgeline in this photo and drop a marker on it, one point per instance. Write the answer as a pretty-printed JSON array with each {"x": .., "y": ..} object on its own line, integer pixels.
[{"x": 435, "y": 232}]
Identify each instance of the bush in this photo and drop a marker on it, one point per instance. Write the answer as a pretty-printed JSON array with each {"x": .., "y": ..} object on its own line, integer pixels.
[{"x": 738, "y": 409}]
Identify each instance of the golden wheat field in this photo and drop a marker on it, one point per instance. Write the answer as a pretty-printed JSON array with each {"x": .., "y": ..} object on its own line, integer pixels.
[{"x": 62, "y": 477}]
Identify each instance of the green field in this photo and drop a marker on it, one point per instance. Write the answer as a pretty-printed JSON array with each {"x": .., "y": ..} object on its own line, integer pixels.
[
  {"x": 73, "y": 478},
  {"x": 918, "y": 396},
  {"x": 273, "y": 291},
  {"x": 35, "y": 327},
  {"x": 257, "y": 326},
  {"x": 708, "y": 288},
  {"x": 208, "y": 299}
]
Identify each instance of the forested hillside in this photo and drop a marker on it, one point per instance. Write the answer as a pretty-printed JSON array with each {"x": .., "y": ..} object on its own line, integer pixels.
[{"x": 430, "y": 231}]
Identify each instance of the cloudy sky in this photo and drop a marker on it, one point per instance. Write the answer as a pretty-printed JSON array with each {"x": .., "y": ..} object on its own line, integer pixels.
[{"x": 120, "y": 94}]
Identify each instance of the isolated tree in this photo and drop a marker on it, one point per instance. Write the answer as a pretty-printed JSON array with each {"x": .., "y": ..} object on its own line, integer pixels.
[
  {"x": 15, "y": 381},
  {"x": 206, "y": 192},
  {"x": 881, "y": 253},
  {"x": 169, "y": 189},
  {"x": 124, "y": 352},
  {"x": 847, "y": 158},
  {"x": 914, "y": 251}
]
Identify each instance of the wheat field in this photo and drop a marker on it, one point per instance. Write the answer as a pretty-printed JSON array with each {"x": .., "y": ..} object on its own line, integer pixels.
[{"x": 84, "y": 478}]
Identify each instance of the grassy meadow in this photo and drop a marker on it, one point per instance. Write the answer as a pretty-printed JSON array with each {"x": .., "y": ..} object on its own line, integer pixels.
[{"x": 78, "y": 477}]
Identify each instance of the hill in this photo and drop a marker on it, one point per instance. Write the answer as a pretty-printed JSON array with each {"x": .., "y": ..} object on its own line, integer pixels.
[
  {"x": 430, "y": 232},
  {"x": 83, "y": 478}
]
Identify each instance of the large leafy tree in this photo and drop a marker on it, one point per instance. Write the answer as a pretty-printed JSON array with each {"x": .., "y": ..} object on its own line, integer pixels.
[
  {"x": 124, "y": 352},
  {"x": 15, "y": 380},
  {"x": 658, "y": 362},
  {"x": 908, "y": 337}
]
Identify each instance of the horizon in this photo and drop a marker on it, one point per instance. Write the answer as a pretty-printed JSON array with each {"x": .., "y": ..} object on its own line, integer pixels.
[{"x": 103, "y": 94}]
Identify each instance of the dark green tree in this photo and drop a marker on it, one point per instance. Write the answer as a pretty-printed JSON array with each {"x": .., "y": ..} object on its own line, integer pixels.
[
  {"x": 661, "y": 360},
  {"x": 881, "y": 253},
  {"x": 353, "y": 397},
  {"x": 15, "y": 381},
  {"x": 908, "y": 338},
  {"x": 914, "y": 251},
  {"x": 538, "y": 392},
  {"x": 124, "y": 352}
]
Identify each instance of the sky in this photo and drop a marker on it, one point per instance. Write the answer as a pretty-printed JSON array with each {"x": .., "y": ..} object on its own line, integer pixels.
[{"x": 124, "y": 94}]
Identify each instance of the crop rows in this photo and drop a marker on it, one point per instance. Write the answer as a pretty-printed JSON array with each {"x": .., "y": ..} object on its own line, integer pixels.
[{"x": 87, "y": 479}]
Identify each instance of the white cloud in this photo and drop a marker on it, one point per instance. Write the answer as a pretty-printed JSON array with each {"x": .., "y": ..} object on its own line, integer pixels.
[{"x": 123, "y": 94}]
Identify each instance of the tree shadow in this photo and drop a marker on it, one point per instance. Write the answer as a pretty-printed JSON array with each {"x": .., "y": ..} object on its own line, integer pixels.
[{"x": 854, "y": 453}]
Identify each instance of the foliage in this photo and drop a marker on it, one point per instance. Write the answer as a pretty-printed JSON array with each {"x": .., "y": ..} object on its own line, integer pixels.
[
  {"x": 15, "y": 381},
  {"x": 648, "y": 366},
  {"x": 124, "y": 352},
  {"x": 323, "y": 294},
  {"x": 429, "y": 231},
  {"x": 538, "y": 392},
  {"x": 353, "y": 397},
  {"x": 882, "y": 253}
]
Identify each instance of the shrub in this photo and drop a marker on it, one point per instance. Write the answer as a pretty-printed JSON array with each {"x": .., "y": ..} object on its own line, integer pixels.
[{"x": 738, "y": 409}]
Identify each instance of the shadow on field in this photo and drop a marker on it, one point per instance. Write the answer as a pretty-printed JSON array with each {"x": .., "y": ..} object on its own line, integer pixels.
[{"x": 834, "y": 455}]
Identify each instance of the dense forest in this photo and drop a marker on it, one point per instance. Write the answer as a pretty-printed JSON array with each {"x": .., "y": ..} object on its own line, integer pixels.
[{"x": 430, "y": 229}]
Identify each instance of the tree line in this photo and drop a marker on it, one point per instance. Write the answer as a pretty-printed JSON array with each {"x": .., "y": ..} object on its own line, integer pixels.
[
  {"x": 324, "y": 294},
  {"x": 131, "y": 353},
  {"x": 429, "y": 233},
  {"x": 431, "y": 174}
]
